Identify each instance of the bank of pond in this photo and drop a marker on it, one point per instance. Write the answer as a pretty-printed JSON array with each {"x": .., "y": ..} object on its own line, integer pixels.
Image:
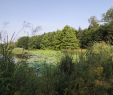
[{"x": 49, "y": 72}]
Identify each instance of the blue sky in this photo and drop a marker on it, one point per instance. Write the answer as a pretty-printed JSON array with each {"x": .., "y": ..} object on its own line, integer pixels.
[{"x": 50, "y": 14}]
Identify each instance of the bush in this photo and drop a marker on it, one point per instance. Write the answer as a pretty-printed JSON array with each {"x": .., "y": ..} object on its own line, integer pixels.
[
  {"x": 23, "y": 42},
  {"x": 101, "y": 53}
]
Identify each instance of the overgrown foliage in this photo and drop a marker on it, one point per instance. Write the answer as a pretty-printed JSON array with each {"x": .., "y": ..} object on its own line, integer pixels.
[
  {"x": 7, "y": 68},
  {"x": 90, "y": 74}
]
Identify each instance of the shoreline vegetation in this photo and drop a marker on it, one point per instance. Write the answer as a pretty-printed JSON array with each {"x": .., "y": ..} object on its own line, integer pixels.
[{"x": 90, "y": 72}]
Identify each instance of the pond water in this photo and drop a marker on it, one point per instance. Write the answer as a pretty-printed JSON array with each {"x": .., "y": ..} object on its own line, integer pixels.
[{"x": 37, "y": 59}]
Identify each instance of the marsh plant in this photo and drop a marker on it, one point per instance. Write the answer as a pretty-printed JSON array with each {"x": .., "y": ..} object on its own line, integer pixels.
[{"x": 7, "y": 68}]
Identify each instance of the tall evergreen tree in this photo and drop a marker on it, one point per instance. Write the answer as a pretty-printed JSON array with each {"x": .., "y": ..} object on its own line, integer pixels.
[{"x": 68, "y": 38}]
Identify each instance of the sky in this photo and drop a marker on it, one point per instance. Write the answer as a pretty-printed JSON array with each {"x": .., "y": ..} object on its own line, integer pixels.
[{"x": 50, "y": 14}]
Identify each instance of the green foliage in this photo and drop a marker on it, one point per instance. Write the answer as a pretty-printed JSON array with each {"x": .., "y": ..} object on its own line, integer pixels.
[
  {"x": 91, "y": 73},
  {"x": 66, "y": 68},
  {"x": 23, "y": 42},
  {"x": 47, "y": 80},
  {"x": 105, "y": 33},
  {"x": 19, "y": 51},
  {"x": 93, "y": 22},
  {"x": 25, "y": 80},
  {"x": 87, "y": 37},
  {"x": 61, "y": 39},
  {"x": 57, "y": 40},
  {"x": 68, "y": 38},
  {"x": 46, "y": 41},
  {"x": 95, "y": 33},
  {"x": 34, "y": 42},
  {"x": 66, "y": 64},
  {"x": 7, "y": 68},
  {"x": 108, "y": 16},
  {"x": 48, "y": 56}
]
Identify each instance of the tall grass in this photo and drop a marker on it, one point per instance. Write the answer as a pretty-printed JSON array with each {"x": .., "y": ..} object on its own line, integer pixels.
[
  {"x": 7, "y": 68},
  {"x": 91, "y": 74}
]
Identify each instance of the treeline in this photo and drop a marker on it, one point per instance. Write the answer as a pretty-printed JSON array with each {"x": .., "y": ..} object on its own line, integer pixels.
[
  {"x": 61, "y": 39},
  {"x": 70, "y": 38}
]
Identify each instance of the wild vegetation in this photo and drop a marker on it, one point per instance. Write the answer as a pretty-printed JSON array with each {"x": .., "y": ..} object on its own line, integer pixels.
[
  {"x": 78, "y": 71},
  {"x": 91, "y": 74}
]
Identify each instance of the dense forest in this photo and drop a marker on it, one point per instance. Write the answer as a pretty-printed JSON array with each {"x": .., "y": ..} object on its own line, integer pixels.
[{"x": 90, "y": 74}]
